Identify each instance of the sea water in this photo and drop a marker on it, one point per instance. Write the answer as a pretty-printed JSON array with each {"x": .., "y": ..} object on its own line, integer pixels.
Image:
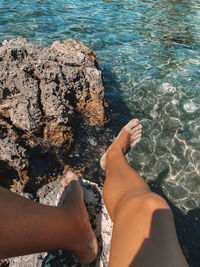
[{"x": 149, "y": 54}]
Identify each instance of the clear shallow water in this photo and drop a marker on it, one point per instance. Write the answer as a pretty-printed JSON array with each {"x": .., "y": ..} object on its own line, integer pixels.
[{"x": 149, "y": 54}]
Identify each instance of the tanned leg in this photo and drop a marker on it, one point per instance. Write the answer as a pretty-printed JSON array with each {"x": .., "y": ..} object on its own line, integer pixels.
[
  {"x": 28, "y": 227},
  {"x": 143, "y": 233}
]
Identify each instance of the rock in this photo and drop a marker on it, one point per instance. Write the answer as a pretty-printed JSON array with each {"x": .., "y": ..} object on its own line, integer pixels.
[
  {"x": 45, "y": 94},
  {"x": 100, "y": 221},
  {"x": 73, "y": 47},
  {"x": 171, "y": 125},
  {"x": 166, "y": 88},
  {"x": 172, "y": 110},
  {"x": 51, "y": 113},
  {"x": 189, "y": 106}
]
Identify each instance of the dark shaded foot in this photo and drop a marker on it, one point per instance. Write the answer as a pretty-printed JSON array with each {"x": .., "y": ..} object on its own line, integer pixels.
[
  {"x": 84, "y": 245},
  {"x": 128, "y": 137}
]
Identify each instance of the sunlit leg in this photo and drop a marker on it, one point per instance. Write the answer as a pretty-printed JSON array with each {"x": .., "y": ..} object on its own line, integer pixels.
[{"x": 143, "y": 232}]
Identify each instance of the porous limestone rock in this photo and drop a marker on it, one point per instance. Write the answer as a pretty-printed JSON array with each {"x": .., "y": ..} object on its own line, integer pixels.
[{"x": 45, "y": 93}]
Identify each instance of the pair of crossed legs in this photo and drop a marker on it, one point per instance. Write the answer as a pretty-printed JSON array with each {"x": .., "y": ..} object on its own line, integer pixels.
[{"x": 143, "y": 231}]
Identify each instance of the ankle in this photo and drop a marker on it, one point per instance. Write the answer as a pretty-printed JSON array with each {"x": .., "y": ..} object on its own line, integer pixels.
[
  {"x": 81, "y": 239},
  {"x": 114, "y": 150},
  {"x": 113, "y": 155}
]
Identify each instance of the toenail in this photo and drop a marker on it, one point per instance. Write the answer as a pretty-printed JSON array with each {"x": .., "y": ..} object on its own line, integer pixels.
[{"x": 69, "y": 174}]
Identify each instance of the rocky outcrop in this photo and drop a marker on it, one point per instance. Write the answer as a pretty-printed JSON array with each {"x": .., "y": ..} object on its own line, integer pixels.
[
  {"x": 51, "y": 113},
  {"x": 45, "y": 94}
]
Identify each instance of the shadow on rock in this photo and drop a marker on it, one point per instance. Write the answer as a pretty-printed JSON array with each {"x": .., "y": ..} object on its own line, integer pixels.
[{"x": 7, "y": 174}]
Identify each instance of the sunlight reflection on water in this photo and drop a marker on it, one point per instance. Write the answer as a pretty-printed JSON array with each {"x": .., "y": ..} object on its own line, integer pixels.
[{"x": 149, "y": 54}]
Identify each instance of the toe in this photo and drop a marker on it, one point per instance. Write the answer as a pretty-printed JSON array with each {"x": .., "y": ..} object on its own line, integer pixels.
[
  {"x": 63, "y": 188},
  {"x": 64, "y": 182},
  {"x": 136, "y": 136},
  {"x": 137, "y": 128},
  {"x": 57, "y": 199},
  {"x": 69, "y": 177},
  {"x": 131, "y": 124},
  {"x": 135, "y": 142}
]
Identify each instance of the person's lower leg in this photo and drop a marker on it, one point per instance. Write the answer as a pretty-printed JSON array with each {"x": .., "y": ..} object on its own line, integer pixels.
[
  {"x": 122, "y": 180},
  {"x": 28, "y": 227},
  {"x": 143, "y": 223}
]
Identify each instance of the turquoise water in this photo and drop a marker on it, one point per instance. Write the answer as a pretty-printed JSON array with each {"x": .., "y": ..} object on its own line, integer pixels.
[{"x": 149, "y": 55}]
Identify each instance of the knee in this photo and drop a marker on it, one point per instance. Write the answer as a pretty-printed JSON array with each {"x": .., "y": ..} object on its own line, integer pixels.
[
  {"x": 153, "y": 202},
  {"x": 147, "y": 203}
]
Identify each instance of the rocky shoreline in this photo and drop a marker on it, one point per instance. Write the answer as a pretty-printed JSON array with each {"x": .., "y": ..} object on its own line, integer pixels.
[{"x": 52, "y": 109}]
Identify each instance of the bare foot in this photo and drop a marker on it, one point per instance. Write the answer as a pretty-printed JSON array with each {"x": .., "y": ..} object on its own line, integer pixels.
[
  {"x": 128, "y": 137},
  {"x": 84, "y": 245}
]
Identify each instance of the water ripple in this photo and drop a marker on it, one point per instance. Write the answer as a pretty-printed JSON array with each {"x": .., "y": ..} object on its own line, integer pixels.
[{"x": 149, "y": 54}]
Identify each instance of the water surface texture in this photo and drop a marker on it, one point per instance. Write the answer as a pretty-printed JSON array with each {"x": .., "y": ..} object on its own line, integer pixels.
[{"x": 149, "y": 54}]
